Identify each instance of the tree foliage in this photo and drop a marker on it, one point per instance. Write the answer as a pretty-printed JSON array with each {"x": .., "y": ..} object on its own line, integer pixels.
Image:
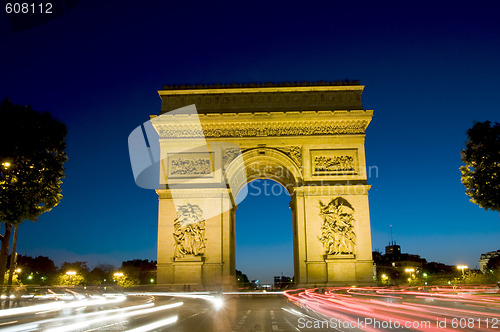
[
  {"x": 41, "y": 269},
  {"x": 32, "y": 154},
  {"x": 71, "y": 280},
  {"x": 142, "y": 270},
  {"x": 127, "y": 281},
  {"x": 101, "y": 273},
  {"x": 242, "y": 279},
  {"x": 78, "y": 267},
  {"x": 481, "y": 173},
  {"x": 493, "y": 264}
]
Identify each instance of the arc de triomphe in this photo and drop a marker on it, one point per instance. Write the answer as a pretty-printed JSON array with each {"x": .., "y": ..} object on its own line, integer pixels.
[{"x": 308, "y": 137}]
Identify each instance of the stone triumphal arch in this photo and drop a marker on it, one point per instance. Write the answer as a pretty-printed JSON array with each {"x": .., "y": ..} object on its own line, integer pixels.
[{"x": 308, "y": 137}]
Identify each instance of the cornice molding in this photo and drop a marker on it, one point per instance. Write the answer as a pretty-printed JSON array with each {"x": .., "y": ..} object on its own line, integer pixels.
[
  {"x": 263, "y": 124},
  {"x": 261, "y": 90}
]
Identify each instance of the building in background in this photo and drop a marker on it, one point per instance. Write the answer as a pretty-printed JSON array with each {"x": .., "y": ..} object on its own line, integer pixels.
[{"x": 485, "y": 258}]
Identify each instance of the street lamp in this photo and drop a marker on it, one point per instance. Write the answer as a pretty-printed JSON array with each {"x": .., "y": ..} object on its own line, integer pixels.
[
  {"x": 18, "y": 270},
  {"x": 410, "y": 272},
  {"x": 6, "y": 164},
  {"x": 462, "y": 267},
  {"x": 71, "y": 274},
  {"x": 118, "y": 274}
]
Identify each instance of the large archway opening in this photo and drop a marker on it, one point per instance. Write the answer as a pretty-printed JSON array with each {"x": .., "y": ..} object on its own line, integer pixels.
[
  {"x": 265, "y": 245},
  {"x": 264, "y": 235}
]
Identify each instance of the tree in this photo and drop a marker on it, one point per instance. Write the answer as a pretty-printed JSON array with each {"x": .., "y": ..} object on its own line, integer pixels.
[
  {"x": 142, "y": 270},
  {"x": 126, "y": 281},
  {"x": 242, "y": 279},
  {"x": 38, "y": 270},
  {"x": 32, "y": 154},
  {"x": 493, "y": 264},
  {"x": 78, "y": 267},
  {"x": 100, "y": 274},
  {"x": 481, "y": 173},
  {"x": 73, "y": 273}
]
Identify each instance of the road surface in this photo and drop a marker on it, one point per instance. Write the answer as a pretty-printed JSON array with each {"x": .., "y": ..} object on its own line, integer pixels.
[{"x": 341, "y": 309}]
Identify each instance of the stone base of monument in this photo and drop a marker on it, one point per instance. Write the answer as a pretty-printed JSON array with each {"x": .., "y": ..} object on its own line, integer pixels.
[{"x": 188, "y": 271}]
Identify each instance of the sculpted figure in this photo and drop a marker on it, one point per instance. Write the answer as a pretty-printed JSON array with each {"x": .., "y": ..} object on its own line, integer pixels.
[
  {"x": 189, "y": 231},
  {"x": 337, "y": 230}
]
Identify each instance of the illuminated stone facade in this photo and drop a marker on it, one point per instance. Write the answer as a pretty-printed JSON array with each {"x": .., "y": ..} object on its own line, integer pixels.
[{"x": 308, "y": 137}]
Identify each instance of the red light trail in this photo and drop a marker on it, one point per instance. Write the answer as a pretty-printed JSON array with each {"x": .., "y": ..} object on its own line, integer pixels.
[{"x": 413, "y": 308}]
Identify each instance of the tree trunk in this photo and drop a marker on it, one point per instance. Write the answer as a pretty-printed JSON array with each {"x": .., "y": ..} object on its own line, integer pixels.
[
  {"x": 4, "y": 252},
  {"x": 13, "y": 260},
  {"x": 13, "y": 256}
]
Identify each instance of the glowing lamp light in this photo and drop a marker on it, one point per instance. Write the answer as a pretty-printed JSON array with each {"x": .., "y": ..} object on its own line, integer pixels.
[
  {"x": 218, "y": 303},
  {"x": 71, "y": 273},
  {"x": 410, "y": 270},
  {"x": 152, "y": 280},
  {"x": 463, "y": 268},
  {"x": 118, "y": 274},
  {"x": 6, "y": 164},
  {"x": 18, "y": 270}
]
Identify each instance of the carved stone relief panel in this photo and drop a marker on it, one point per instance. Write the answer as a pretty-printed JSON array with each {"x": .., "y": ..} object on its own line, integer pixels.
[
  {"x": 189, "y": 232},
  {"x": 186, "y": 165},
  {"x": 294, "y": 152},
  {"x": 229, "y": 154},
  {"x": 334, "y": 162},
  {"x": 337, "y": 230}
]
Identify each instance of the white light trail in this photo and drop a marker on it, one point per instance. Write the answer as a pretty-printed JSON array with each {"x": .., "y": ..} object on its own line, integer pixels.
[
  {"x": 82, "y": 325},
  {"x": 155, "y": 325},
  {"x": 216, "y": 301},
  {"x": 21, "y": 328},
  {"x": 99, "y": 313},
  {"x": 59, "y": 305}
]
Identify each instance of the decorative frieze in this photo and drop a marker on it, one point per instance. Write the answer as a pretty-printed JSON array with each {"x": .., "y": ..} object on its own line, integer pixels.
[{"x": 254, "y": 129}]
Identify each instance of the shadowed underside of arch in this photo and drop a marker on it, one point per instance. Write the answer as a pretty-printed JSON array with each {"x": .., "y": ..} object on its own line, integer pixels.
[{"x": 264, "y": 163}]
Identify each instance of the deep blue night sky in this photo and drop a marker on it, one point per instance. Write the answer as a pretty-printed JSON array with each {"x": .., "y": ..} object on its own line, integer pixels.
[{"x": 430, "y": 70}]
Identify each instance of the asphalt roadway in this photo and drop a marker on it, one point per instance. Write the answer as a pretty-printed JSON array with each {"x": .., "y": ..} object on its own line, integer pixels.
[
  {"x": 232, "y": 313},
  {"x": 307, "y": 310}
]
